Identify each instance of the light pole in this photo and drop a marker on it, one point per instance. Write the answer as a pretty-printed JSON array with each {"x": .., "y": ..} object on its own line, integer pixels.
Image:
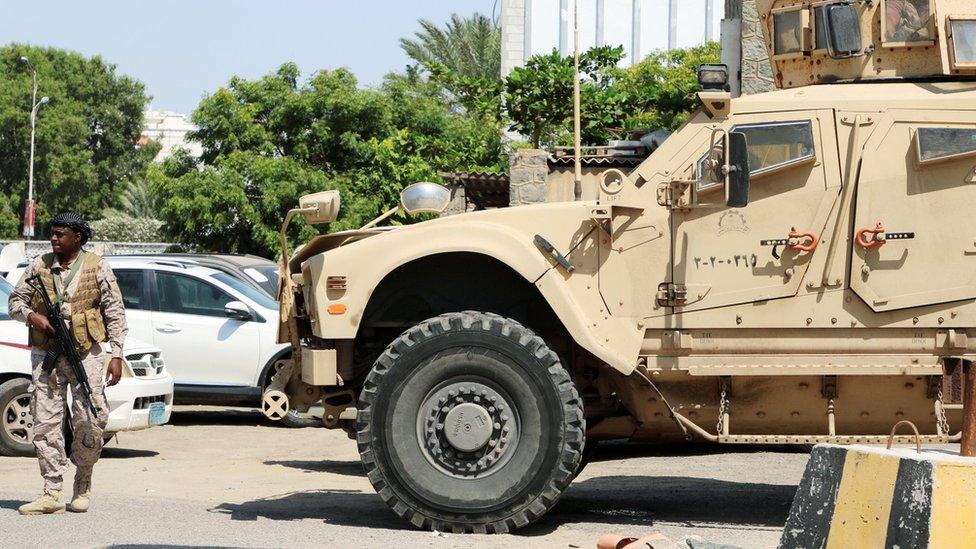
[{"x": 29, "y": 208}]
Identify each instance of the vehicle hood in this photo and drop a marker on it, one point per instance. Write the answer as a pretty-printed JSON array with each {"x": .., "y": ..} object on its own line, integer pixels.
[{"x": 561, "y": 223}]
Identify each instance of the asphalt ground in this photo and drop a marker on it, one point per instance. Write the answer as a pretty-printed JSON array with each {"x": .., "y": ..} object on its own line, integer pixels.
[{"x": 229, "y": 478}]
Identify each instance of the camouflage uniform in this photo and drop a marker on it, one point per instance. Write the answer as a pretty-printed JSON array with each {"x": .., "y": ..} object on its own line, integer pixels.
[{"x": 50, "y": 387}]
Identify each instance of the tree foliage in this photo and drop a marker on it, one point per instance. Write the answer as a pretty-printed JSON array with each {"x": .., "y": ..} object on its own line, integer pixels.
[
  {"x": 270, "y": 140},
  {"x": 661, "y": 88},
  {"x": 117, "y": 227},
  {"x": 658, "y": 92},
  {"x": 86, "y": 140},
  {"x": 468, "y": 47}
]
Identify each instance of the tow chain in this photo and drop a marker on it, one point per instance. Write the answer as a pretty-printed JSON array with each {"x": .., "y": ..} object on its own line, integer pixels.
[
  {"x": 723, "y": 407},
  {"x": 943, "y": 422}
]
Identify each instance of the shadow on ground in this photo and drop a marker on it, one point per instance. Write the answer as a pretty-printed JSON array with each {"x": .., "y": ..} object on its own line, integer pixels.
[
  {"x": 349, "y": 468},
  {"x": 11, "y": 504},
  {"x": 226, "y": 416},
  {"x": 617, "y": 500},
  {"x": 340, "y": 507},
  {"x": 113, "y": 452}
]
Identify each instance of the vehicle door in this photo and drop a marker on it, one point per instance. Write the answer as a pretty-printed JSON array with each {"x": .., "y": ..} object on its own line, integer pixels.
[
  {"x": 914, "y": 241},
  {"x": 134, "y": 285},
  {"x": 724, "y": 256},
  {"x": 201, "y": 344}
]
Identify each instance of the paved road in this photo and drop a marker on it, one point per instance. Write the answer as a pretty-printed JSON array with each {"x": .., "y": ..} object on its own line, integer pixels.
[{"x": 228, "y": 478}]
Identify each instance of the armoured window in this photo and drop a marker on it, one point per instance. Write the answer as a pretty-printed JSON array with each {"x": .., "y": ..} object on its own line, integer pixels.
[
  {"x": 906, "y": 22},
  {"x": 131, "y": 284},
  {"x": 788, "y": 31},
  {"x": 820, "y": 26},
  {"x": 190, "y": 296},
  {"x": 963, "y": 42},
  {"x": 771, "y": 147},
  {"x": 779, "y": 145},
  {"x": 937, "y": 144}
]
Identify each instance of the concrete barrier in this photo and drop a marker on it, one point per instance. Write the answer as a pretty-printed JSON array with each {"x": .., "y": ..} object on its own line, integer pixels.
[{"x": 865, "y": 496}]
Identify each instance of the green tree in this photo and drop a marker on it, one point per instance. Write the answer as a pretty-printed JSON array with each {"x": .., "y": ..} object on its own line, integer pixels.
[
  {"x": 87, "y": 136},
  {"x": 468, "y": 47},
  {"x": 267, "y": 141},
  {"x": 137, "y": 201},
  {"x": 539, "y": 96},
  {"x": 661, "y": 88},
  {"x": 236, "y": 205}
]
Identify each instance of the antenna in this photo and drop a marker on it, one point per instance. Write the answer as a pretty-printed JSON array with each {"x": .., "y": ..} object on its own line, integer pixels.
[{"x": 577, "y": 164}]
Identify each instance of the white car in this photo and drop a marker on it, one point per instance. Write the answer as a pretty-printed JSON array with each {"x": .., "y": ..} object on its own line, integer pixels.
[
  {"x": 142, "y": 398},
  {"x": 218, "y": 333}
]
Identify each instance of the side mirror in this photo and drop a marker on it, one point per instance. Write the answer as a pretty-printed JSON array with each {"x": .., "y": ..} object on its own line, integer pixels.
[
  {"x": 238, "y": 311},
  {"x": 737, "y": 186},
  {"x": 320, "y": 207},
  {"x": 425, "y": 198},
  {"x": 843, "y": 31}
]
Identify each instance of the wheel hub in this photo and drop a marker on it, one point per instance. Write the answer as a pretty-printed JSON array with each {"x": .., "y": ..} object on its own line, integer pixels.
[
  {"x": 17, "y": 421},
  {"x": 468, "y": 429}
]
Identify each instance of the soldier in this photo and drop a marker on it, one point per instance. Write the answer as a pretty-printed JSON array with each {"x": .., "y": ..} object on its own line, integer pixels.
[{"x": 86, "y": 290}]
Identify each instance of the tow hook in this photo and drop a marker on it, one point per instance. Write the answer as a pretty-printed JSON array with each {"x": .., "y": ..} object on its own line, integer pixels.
[{"x": 794, "y": 241}]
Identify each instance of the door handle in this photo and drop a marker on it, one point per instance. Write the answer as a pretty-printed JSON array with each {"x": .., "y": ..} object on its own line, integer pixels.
[{"x": 168, "y": 329}]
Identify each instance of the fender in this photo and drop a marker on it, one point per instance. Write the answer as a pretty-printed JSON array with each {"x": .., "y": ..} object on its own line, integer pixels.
[{"x": 365, "y": 263}]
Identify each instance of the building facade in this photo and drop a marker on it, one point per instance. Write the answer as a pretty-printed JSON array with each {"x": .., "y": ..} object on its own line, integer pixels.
[
  {"x": 532, "y": 27},
  {"x": 169, "y": 129}
]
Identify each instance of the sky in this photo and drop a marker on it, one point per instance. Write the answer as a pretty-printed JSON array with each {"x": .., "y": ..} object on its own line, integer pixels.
[{"x": 185, "y": 49}]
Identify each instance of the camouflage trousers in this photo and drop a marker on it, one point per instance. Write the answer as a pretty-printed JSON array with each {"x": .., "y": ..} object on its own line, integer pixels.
[{"x": 48, "y": 402}]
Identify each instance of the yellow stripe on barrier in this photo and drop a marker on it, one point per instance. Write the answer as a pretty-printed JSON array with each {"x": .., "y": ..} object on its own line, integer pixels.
[
  {"x": 863, "y": 501},
  {"x": 954, "y": 506}
]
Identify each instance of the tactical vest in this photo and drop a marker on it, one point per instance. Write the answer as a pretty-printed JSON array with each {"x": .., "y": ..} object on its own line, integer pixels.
[{"x": 87, "y": 324}]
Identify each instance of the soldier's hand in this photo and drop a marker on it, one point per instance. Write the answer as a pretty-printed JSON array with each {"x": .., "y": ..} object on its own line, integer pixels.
[
  {"x": 114, "y": 371},
  {"x": 40, "y": 322}
]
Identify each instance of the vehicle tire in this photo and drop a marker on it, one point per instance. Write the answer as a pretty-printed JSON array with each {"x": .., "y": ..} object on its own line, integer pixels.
[
  {"x": 589, "y": 450},
  {"x": 519, "y": 423},
  {"x": 16, "y": 422}
]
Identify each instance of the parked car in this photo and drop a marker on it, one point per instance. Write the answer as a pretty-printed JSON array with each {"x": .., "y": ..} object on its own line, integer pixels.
[
  {"x": 218, "y": 333},
  {"x": 255, "y": 270},
  {"x": 143, "y": 397}
]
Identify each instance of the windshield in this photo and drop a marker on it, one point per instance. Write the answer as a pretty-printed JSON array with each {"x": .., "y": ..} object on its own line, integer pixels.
[
  {"x": 259, "y": 297},
  {"x": 5, "y": 289},
  {"x": 266, "y": 276}
]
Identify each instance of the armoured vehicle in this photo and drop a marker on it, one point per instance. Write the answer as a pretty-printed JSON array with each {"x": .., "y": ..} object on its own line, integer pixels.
[{"x": 790, "y": 267}]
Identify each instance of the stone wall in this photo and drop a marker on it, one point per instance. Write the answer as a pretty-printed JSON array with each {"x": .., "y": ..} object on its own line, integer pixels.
[
  {"x": 528, "y": 172},
  {"x": 757, "y": 71}
]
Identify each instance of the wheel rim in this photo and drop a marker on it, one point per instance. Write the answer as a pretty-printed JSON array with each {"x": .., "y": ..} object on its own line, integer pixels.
[
  {"x": 468, "y": 428},
  {"x": 17, "y": 421}
]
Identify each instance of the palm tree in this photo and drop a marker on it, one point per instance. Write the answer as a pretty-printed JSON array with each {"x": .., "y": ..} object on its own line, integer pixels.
[
  {"x": 465, "y": 46},
  {"x": 136, "y": 200}
]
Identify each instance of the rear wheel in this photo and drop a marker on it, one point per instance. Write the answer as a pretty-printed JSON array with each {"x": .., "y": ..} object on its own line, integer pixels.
[
  {"x": 469, "y": 423},
  {"x": 16, "y": 421}
]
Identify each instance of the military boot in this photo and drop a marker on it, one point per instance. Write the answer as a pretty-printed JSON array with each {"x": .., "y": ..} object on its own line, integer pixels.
[
  {"x": 81, "y": 500},
  {"x": 48, "y": 504}
]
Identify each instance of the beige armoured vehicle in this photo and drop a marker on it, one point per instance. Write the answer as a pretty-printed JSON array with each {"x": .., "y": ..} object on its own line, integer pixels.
[{"x": 792, "y": 267}]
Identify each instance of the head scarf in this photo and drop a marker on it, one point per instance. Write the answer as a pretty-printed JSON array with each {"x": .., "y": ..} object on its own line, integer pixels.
[{"x": 75, "y": 222}]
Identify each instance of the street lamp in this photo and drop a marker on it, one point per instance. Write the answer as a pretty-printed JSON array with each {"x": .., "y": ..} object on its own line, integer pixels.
[{"x": 29, "y": 208}]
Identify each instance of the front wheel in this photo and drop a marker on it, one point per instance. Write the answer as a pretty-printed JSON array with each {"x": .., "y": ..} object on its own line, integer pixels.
[
  {"x": 469, "y": 423},
  {"x": 16, "y": 421}
]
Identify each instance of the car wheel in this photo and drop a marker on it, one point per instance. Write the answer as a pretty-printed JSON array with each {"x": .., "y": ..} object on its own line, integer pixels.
[
  {"x": 469, "y": 423},
  {"x": 16, "y": 421}
]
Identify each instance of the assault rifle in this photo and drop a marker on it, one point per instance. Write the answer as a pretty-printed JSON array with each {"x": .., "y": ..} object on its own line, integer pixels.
[{"x": 63, "y": 343}]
